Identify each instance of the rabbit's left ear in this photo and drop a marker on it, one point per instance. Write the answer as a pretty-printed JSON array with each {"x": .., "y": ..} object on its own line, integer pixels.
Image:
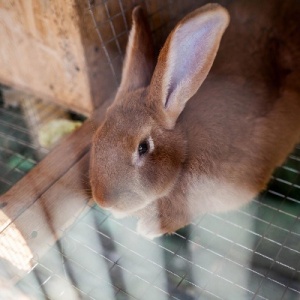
[
  {"x": 186, "y": 59},
  {"x": 139, "y": 60}
]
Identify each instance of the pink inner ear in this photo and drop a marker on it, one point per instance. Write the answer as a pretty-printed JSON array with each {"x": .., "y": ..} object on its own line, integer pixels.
[{"x": 190, "y": 51}]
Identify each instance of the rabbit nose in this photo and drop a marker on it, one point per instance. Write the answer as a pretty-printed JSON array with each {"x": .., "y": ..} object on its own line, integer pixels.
[
  {"x": 104, "y": 204},
  {"x": 101, "y": 200}
]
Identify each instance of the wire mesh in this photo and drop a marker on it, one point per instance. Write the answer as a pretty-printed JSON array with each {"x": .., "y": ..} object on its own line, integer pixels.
[
  {"x": 252, "y": 253},
  {"x": 112, "y": 20},
  {"x": 21, "y": 119},
  {"x": 18, "y": 151}
]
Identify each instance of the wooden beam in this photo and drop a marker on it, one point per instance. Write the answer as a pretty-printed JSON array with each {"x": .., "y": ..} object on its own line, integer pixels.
[
  {"x": 44, "y": 221},
  {"x": 33, "y": 221},
  {"x": 50, "y": 171},
  {"x": 35, "y": 211},
  {"x": 51, "y": 50},
  {"x": 38, "y": 227}
]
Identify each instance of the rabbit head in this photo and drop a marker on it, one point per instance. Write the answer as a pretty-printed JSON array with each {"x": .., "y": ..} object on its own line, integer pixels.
[{"x": 139, "y": 151}]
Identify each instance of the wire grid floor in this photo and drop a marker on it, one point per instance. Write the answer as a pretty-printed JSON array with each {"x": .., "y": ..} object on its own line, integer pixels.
[{"x": 251, "y": 253}]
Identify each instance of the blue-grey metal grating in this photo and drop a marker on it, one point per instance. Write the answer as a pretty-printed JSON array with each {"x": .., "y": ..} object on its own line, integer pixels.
[{"x": 252, "y": 253}]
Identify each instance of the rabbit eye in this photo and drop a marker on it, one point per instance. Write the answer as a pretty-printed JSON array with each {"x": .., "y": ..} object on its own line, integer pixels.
[
  {"x": 146, "y": 146},
  {"x": 143, "y": 148}
]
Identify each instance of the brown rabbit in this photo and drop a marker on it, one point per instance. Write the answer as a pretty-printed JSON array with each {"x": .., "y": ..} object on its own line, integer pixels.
[{"x": 165, "y": 159}]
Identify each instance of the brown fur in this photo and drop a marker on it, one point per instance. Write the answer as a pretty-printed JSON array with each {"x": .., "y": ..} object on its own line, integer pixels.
[{"x": 219, "y": 149}]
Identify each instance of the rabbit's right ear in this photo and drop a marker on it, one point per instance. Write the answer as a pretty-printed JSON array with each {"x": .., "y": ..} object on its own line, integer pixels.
[
  {"x": 139, "y": 59},
  {"x": 186, "y": 59}
]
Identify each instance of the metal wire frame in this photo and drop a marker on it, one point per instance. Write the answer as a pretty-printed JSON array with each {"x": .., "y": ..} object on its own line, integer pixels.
[
  {"x": 20, "y": 150},
  {"x": 252, "y": 253},
  {"x": 15, "y": 142},
  {"x": 161, "y": 20},
  {"x": 286, "y": 196}
]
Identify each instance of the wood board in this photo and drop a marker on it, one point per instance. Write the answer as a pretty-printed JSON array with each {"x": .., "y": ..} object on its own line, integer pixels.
[
  {"x": 49, "y": 198},
  {"x": 51, "y": 49}
]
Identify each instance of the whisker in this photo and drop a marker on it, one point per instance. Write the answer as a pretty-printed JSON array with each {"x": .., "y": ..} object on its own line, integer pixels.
[
  {"x": 85, "y": 175},
  {"x": 86, "y": 184},
  {"x": 80, "y": 191},
  {"x": 86, "y": 180}
]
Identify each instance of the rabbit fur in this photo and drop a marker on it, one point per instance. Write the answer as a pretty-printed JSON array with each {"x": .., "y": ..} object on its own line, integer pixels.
[{"x": 202, "y": 129}]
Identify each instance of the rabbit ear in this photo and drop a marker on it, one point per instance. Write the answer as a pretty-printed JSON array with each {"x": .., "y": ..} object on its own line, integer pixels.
[
  {"x": 186, "y": 59},
  {"x": 139, "y": 60}
]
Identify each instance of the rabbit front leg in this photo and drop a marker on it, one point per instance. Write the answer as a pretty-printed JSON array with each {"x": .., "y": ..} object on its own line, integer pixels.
[{"x": 161, "y": 217}]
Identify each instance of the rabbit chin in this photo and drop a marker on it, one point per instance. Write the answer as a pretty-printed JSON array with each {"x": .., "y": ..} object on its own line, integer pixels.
[
  {"x": 122, "y": 213},
  {"x": 118, "y": 214},
  {"x": 124, "y": 209}
]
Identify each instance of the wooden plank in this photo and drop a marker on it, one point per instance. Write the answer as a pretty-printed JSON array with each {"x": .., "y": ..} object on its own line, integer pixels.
[
  {"x": 25, "y": 192},
  {"x": 42, "y": 224},
  {"x": 51, "y": 49},
  {"x": 57, "y": 163},
  {"x": 37, "y": 210}
]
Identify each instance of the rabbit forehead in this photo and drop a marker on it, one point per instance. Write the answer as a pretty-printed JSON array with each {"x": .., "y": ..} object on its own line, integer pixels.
[
  {"x": 130, "y": 116},
  {"x": 122, "y": 131}
]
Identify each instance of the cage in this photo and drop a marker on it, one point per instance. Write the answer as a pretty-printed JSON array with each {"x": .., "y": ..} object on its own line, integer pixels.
[{"x": 56, "y": 243}]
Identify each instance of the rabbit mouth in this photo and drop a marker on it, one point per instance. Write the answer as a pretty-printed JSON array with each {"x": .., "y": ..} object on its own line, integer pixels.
[
  {"x": 119, "y": 214},
  {"x": 119, "y": 211},
  {"x": 129, "y": 204}
]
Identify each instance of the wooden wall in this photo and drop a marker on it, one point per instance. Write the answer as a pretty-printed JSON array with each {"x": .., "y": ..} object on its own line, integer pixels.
[
  {"x": 51, "y": 49},
  {"x": 71, "y": 51}
]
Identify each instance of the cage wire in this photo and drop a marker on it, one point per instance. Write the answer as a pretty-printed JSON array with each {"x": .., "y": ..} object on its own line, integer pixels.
[
  {"x": 19, "y": 150},
  {"x": 251, "y": 253},
  {"x": 25, "y": 137}
]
